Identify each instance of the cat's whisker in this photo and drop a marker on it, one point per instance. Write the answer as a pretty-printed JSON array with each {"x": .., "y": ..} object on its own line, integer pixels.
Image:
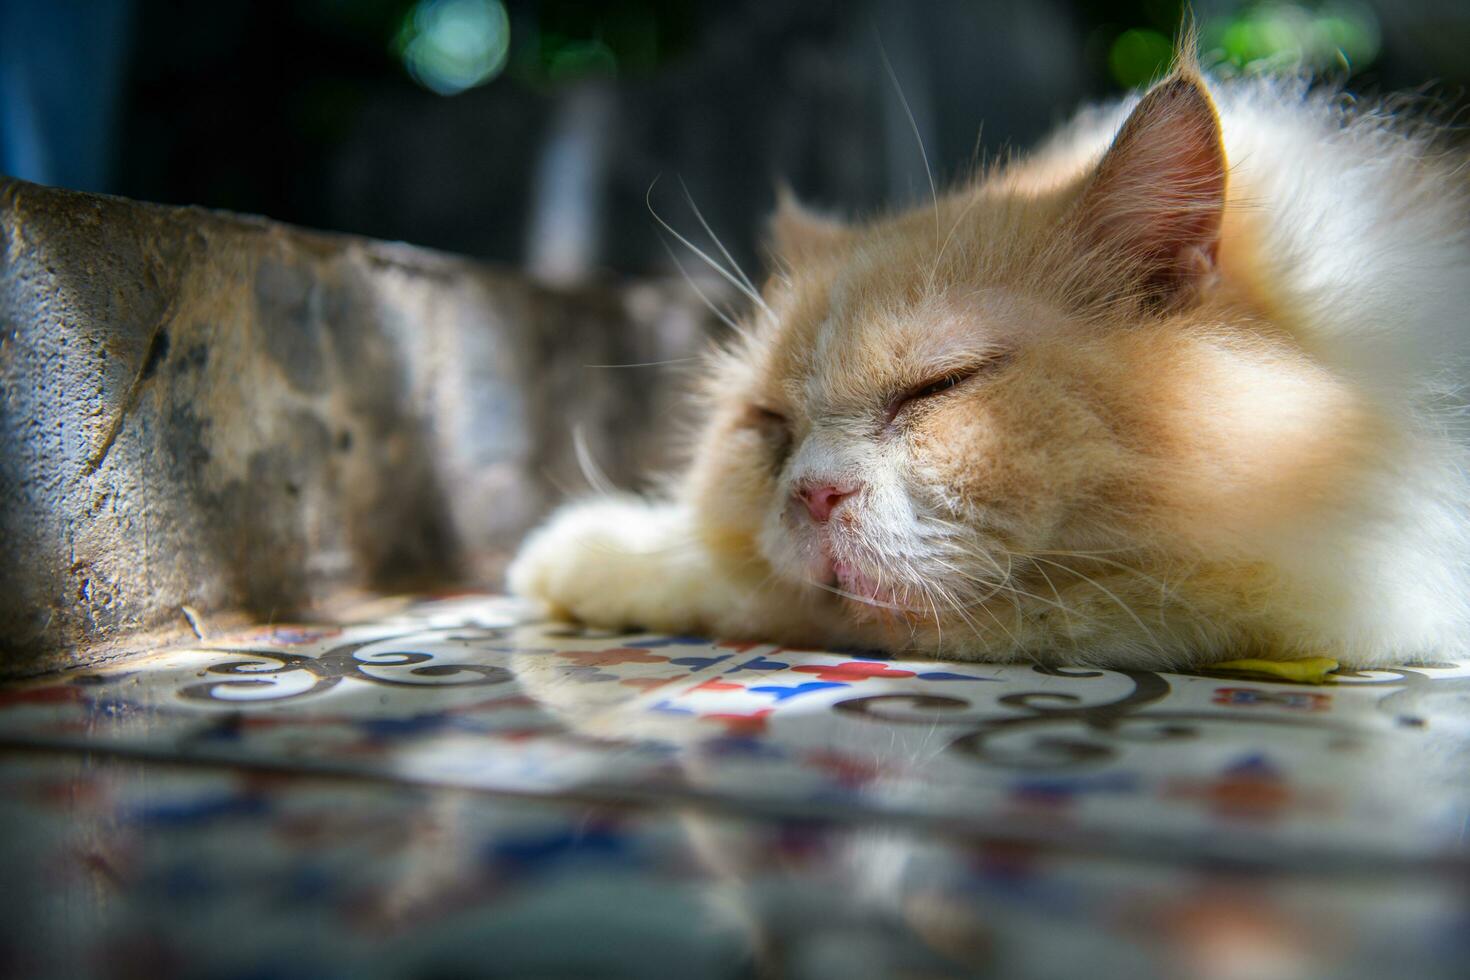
[
  {"x": 959, "y": 550},
  {"x": 1107, "y": 592},
  {"x": 1012, "y": 590},
  {"x": 1066, "y": 613},
  {"x": 1014, "y": 594},
  {"x": 645, "y": 364},
  {"x": 939, "y": 256},
  {"x": 699, "y": 215},
  {"x": 750, "y": 293},
  {"x": 925, "y": 599},
  {"x": 938, "y": 623},
  {"x": 911, "y": 621},
  {"x": 1085, "y": 554},
  {"x": 918, "y": 137},
  {"x": 723, "y": 316},
  {"x": 985, "y": 608},
  {"x": 975, "y": 627},
  {"x": 1011, "y": 594},
  {"x": 930, "y": 596},
  {"x": 1168, "y": 594},
  {"x": 594, "y": 475},
  {"x": 866, "y": 600},
  {"x": 994, "y": 586}
]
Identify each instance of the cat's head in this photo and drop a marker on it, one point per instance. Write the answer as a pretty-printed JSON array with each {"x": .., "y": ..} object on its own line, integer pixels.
[{"x": 1016, "y": 414}]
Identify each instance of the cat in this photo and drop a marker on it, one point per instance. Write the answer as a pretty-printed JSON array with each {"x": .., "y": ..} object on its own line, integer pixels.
[{"x": 1176, "y": 388}]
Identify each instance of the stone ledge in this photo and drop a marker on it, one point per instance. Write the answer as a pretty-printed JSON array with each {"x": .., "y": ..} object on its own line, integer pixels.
[{"x": 207, "y": 410}]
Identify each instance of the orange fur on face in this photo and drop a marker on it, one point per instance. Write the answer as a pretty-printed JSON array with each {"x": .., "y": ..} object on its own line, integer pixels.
[{"x": 1161, "y": 394}]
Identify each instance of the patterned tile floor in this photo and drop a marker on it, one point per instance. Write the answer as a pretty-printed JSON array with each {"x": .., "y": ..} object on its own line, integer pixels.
[{"x": 447, "y": 788}]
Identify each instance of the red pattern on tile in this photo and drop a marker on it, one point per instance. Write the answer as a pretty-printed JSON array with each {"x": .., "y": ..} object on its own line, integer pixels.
[
  {"x": 851, "y": 671},
  {"x": 737, "y": 724},
  {"x": 717, "y": 685},
  {"x": 613, "y": 657}
]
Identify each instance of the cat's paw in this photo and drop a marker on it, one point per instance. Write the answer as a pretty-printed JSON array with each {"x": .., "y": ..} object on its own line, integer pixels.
[{"x": 617, "y": 564}]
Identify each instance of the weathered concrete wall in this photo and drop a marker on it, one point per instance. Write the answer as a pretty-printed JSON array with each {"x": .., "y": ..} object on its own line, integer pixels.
[{"x": 199, "y": 409}]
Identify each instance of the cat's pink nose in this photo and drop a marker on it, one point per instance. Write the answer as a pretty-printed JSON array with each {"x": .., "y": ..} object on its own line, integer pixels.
[{"x": 822, "y": 497}]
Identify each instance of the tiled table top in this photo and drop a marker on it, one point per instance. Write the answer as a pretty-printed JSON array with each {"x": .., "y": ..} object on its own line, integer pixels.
[{"x": 448, "y": 779}]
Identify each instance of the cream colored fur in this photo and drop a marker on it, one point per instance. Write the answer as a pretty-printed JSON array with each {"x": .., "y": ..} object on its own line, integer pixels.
[{"x": 1189, "y": 427}]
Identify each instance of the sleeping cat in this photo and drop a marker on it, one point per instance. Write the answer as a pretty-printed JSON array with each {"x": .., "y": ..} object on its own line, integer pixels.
[{"x": 1175, "y": 389}]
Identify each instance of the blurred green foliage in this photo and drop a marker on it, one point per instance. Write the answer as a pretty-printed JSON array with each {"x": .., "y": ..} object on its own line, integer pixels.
[
  {"x": 1139, "y": 56},
  {"x": 1315, "y": 38},
  {"x": 1132, "y": 42}
]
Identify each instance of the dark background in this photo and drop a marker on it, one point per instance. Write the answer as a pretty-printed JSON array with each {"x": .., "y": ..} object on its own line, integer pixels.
[{"x": 530, "y": 132}]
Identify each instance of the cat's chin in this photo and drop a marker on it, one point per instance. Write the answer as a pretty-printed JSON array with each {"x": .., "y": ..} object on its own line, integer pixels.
[
  {"x": 865, "y": 598},
  {"x": 862, "y": 588}
]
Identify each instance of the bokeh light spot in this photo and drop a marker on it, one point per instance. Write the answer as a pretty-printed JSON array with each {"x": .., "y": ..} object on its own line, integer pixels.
[
  {"x": 449, "y": 46},
  {"x": 1139, "y": 56}
]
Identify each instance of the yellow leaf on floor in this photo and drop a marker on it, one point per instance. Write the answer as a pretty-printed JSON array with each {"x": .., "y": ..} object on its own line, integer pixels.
[{"x": 1310, "y": 670}]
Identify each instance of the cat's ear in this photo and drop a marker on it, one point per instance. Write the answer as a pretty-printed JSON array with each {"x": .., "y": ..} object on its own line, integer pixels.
[
  {"x": 1156, "y": 201},
  {"x": 798, "y": 234}
]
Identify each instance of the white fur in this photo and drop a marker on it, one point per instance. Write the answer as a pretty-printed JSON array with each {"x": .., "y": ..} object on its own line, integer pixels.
[
  {"x": 1369, "y": 217},
  {"x": 1372, "y": 231},
  {"x": 620, "y": 561},
  {"x": 625, "y": 562}
]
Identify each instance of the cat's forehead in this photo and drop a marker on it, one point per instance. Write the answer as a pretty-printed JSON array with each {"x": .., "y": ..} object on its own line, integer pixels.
[
  {"x": 852, "y": 335},
  {"x": 827, "y": 307}
]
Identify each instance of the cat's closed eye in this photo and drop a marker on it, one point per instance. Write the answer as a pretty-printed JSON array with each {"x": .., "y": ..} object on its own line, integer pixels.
[
  {"x": 941, "y": 384},
  {"x": 935, "y": 387},
  {"x": 775, "y": 428}
]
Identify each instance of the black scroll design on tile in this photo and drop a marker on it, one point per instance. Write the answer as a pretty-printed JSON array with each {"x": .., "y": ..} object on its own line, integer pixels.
[
  {"x": 929, "y": 709},
  {"x": 1043, "y": 711},
  {"x": 1062, "y": 729},
  {"x": 1347, "y": 677},
  {"x": 1418, "y": 702},
  {"x": 394, "y": 668},
  {"x": 1100, "y": 736},
  {"x": 1398, "y": 675},
  {"x": 1415, "y": 695}
]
